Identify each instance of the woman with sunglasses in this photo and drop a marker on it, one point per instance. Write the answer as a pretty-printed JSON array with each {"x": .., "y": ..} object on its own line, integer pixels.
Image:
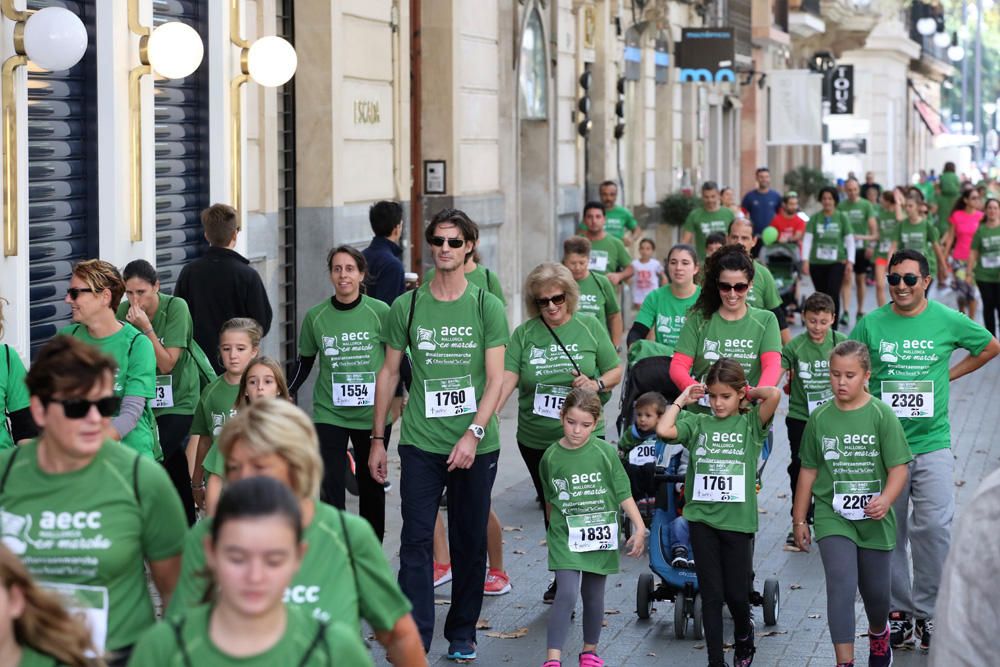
[
  {"x": 254, "y": 550},
  {"x": 722, "y": 325},
  {"x": 557, "y": 349},
  {"x": 344, "y": 575},
  {"x": 956, "y": 243},
  {"x": 17, "y": 425},
  {"x": 85, "y": 513},
  {"x": 984, "y": 264},
  {"x": 827, "y": 248},
  {"x": 166, "y": 321},
  {"x": 95, "y": 290}
]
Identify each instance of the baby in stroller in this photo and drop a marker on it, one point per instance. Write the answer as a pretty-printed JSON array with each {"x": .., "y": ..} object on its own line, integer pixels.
[{"x": 644, "y": 454}]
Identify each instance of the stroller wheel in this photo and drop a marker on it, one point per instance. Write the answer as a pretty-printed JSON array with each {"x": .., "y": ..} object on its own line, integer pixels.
[
  {"x": 772, "y": 601},
  {"x": 696, "y": 616},
  {"x": 644, "y": 596},
  {"x": 680, "y": 616}
]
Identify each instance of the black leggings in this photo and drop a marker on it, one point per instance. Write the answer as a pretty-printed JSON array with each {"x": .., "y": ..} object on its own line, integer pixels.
[
  {"x": 533, "y": 459},
  {"x": 991, "y": 304},
  {"x": 371, "y": 495},
  {"x": 827, "y": 279},
  {"x": 796, "y": 427},
  {"x": 723, "y": 560},
  {"x": 174, "y": 431}
]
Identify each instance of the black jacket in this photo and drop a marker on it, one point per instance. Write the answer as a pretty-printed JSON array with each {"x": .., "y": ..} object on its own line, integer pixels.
[
  {"x": 218, "y": 286},
  {"x": 385, "y": 280}
]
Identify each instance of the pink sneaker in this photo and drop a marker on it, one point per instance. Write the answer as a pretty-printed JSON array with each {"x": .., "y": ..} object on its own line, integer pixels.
[
  {"x": 497, "y": 583},
  {"x": 590, "y": 659},
  {"x": 551, "y": 663},
  {"x": 442, "y": 574}
]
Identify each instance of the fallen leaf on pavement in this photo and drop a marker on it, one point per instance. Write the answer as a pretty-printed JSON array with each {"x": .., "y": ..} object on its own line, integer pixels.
[
  {"x": 512, "y": 529},
  {"x": 771, "y": 633},
  {"x": 761, "y": 510},
  {"x": 442, "y": 602},
  {"x": 483, "y": 624},
  {"x": 611, "y": 612},
  {"x": 651, "y": 654},
  {"x": 795, "y": 587},
  {"x": 814, "y": 616},
  {"x": 513, "y": 634},
  {"x": 604, "y": 623},
  {"x": 698, "y": 646},
  {"x": 519, "y": 552},
  {"x": 789, "y": 547},
  {"x": 960, "y": 482},
  {"x": 541, "y": 543}
]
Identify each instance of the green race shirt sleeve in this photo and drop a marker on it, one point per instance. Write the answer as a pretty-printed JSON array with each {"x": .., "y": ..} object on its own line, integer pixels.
[
  {"x": 772, "y": 334},
  {"x": 620, "y": 486},
  {"x": 164, "y": 524},
  {"x": 178, "y": 329},
  {"x": 141, "y": 378},
  {"x": 788, "y": 356},
  {"x": 630, "y": 221},
  {"x": 202, "y": 422},
  {"x": 611, "y": 306},
  {"x": 624, "y": 257},
  {"x": 607, "y": 357},
  {"x": 650, "y": 306},
  {"x": 690, "y": 337},
  {"x": 495, "y": 321},
  {"x": 895, "y": 450},
  {"x": 308, "y": 345},
  {"x": 155, "y": 647},
  {"x": 192, "y": 583},
  {"x": 515, "y": 348},
  {"x": 394, "y": 333},
  {"x": 971, "y": 336},
  {"x": 381, "y": 601},
  {"x": 809, "y": 452},
  {"x": 17, "y": 391}
]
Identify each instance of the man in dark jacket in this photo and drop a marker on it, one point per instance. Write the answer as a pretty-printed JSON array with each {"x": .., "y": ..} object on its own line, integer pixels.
[
  {"x": 385, "y": 279},
  {"x": 220, "y": 284}
]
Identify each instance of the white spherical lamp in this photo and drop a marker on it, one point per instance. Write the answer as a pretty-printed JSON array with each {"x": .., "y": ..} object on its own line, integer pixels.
[
  {"x": 941, "y": 40},
  {"x": 926, "y": 26},
  {"x": 55, "y": 38},
  {"x": 271, "y": 61},
  {"x": 174, "y": 50},
  {"x": 955, "y": 53}
]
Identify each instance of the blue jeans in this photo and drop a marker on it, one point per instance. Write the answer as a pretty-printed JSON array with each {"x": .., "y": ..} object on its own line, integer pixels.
[
  {"x": 680, "y": 534},
  {"x": 423, "y": 476}
]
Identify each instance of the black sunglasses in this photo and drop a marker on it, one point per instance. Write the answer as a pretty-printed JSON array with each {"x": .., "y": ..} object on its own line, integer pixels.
[
  {"x": 739, "y": 288},
  {"x": 75, "y": 292},
  {"x": 78, "y": 408},
  {"x": 910, "y": 279},
  {"x": 557, "y": 300},
  {"x": 452, "y": 243}
]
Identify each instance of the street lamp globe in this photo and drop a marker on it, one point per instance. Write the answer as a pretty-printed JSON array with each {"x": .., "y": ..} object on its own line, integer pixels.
[
  {"x": 55, "y": 38},
  {"x": 941, "y": 40},
  {"x": 174, "y": 50},
  {"x": 955, "y": 53},
  {"x": 272, "y": 61},
  {"x": 990, "y": 108},
  {"x": 926, "y": 26}
]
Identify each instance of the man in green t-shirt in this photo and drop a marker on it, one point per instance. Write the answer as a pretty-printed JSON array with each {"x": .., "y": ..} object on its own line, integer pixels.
[
  {"x": 608, "y": 255},
  {"x": 710, "y": 217},
  {"x": 620, "y": 222},
  {"x": 763, "y": 292},
  {"x": 911, "y": 341},
  {"x": 597, "y": 294},
  {"x": 863, "y": 217},
  {"x": 455, "y": 333}
]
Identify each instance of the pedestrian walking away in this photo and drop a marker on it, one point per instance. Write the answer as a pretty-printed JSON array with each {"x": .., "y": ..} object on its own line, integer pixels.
[
  {"x": 984, "y": 264},
  {"x": 911, "y": 341},
  {"x": 828, "y": 248}
]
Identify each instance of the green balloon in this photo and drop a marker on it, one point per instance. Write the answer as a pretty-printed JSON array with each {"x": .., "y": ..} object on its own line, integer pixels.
[{"x": 769, "y": 235}]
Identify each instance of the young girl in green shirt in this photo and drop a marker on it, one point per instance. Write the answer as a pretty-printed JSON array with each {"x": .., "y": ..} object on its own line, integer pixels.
[
  {"x": 720, "y": 494},
  {"x": 585, "y": 484}
]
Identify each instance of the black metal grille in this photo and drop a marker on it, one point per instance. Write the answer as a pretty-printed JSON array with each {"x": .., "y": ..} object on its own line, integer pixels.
[{"x": 287, "y": 315}]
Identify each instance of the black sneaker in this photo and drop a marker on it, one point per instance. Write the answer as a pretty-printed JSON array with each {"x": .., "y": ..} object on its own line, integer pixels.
[
  {"x": 922, "y": 631},
  {"x": 680, "y": 559},
  {"x": 901, "y": 628},
  {"x": 744, "y": 649},
  {"x": 550, "y": 593}
]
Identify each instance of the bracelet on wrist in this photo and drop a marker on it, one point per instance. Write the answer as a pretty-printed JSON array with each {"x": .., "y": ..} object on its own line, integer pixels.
[
  {"x": 377, "y": 437},
  {"x": 800, "y": 523},
  {"x": 147, "y": 331},
  {"x": 198, "y": 487}
]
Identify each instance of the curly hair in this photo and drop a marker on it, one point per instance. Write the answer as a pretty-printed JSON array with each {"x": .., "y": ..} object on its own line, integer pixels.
[{"x": 732, "y": 257}]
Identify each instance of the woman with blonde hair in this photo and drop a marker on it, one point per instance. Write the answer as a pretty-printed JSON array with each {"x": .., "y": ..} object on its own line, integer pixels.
[
  {"x": 35, "y": 629},
  {"x": 556, "y": 350},
  {"x": 274, "y": 438}
]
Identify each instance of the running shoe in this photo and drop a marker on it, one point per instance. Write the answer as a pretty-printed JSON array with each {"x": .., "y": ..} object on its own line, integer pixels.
[
  {"x": 744, "y": 649},
  {"x": 461, "y": 650},
  {"x": 844, "y": 319},
  {"x": 590, "y": 659},
  {"x": 442, "y": 574},
  {"x": 552, "y": 663},
  {"x": 550, "y": 593},
  {"x": 901, "y": 629},
  {"x": 387, "y": 486},
  {"x": 860, "y": 315},
  {"x": 679, "y": 558},
  {"x": 879, "y": 650},
  {"x": 497, "y": 583},
  {"x": 922, "y": 631}
]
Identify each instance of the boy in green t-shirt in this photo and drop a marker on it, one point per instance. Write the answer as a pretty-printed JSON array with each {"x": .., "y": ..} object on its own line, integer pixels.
[{"x": 805, "y": 358}]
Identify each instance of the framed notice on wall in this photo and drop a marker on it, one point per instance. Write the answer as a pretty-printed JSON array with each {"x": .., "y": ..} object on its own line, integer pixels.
[{"x": 435, "y": 177}]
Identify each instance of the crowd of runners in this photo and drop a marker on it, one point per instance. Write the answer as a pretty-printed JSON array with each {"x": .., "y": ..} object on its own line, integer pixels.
[{"x": 165, "y": 502}]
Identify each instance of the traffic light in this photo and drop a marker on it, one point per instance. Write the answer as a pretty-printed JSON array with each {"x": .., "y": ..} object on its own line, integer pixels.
[
  {"x": 583, "y": 106},
  {"x": 620, "y": 109}
]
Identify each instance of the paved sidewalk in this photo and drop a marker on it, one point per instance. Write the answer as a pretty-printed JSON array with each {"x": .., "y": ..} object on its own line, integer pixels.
[{"x": 800, "y": 638}]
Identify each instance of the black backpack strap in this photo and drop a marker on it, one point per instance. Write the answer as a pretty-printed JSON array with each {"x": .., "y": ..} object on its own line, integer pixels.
[
  {"x": 317, "y": 640},
  {"x": 7, "y": 349},
  {"x": 177, "y": 625},
  {"x": 6, "y": 472},
  {"x": 135, "y": 479},
  {"x": 409, "y": 320}
]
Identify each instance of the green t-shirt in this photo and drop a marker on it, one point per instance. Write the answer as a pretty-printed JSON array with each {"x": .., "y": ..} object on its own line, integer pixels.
[
  {"x": 86, "y": 533},
  {"x": 448, "y": 341},
  {"x": 546, "y": 373},
  {"x": 809, "y": 363},
  {"x": 324, "y": 584},
  {"x": 910, "y": 360},
  {"x": 887, "y": 224},
  {"x": 608, "y": 255},
  {"x": 720, "y": 488},
  {"x": 352, "y": 354},
  {"x": 665, "y": 314},
  {"x": 215, "y": 407},
  {"x": 306, "y": 643},
  {"x": 585, "y": 487},
  {"x": 619, "y": 220},
  {"x": 13, "y": 392},
  {"x": 481, "y": 277},
  {"x": 986, "y": 243},
  {"x": 763, "y": 292},
  {"x": 858, "y": 213},
  {"x": 177, "y": 391},
  {"x": 852, "y": 451},
  {"x": 32, "y": 658},
  {"x": 828, "y": 234},
  {"x": 920, "y": 237},
  {"x": 136, "y": 376},
  {"x": 597, "y": 297},
  {"x": 743, "y": 340},
  {"x": 701, "y": 223}
]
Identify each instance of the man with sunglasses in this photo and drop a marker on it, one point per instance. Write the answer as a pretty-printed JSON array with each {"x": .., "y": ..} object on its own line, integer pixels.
[
  {"x": 911, "y": 340},
  {"x": 82, "y": 511},
  {"x": 456, "y": 333}
]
